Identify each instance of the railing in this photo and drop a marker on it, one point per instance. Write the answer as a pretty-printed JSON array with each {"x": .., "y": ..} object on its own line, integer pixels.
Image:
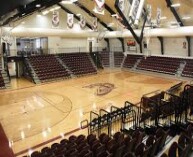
[
  {"x": 187, "y": 101},
  {"x": 94, "y": 125},
  {"x": 157, "y": 109}
]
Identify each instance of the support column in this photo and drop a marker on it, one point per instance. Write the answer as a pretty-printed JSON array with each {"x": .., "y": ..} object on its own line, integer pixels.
[
  {"x": 161, "y": 39},
  {"x": 189, "y": 45},
  {"x": 108, "y": 43},
  {"x": 122, "y": 43}
]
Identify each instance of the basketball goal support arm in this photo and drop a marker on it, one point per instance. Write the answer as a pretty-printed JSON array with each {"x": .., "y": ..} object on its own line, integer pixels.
[
  {"x": 138, "y": 39},
  {"x": 126, "y": 22}
]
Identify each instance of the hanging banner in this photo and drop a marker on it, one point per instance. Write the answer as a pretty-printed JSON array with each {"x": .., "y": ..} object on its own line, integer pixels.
[
  {"x": 133, "y": 11},
  {"x": 149, "y": 14},
  {"x": 70, "y": 20},
  {"x": 158, "y": 19},
  {"x": 55, "y": 19},
  {"x": 99, "y": 7},
  {"x": 82, "y": 22},
  {"x": 139, "y": 10},
  {"x": 121, "y": 5},
  {"x": 95, "y": 24}
]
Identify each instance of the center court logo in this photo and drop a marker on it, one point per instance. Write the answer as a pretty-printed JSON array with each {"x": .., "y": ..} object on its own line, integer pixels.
[{"x": 101, "y": 88}]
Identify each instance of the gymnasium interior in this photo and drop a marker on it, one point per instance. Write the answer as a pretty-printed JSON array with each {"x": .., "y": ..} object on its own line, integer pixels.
[{"x": 96, "y": 78}]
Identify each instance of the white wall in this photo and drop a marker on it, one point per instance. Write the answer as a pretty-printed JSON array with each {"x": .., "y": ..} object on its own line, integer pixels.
[
  {"x": 191, "y": 46},
  {"x": 65, "y": 45},
  {"x": 174, "y": 47},
  {"x": 154, "y": 46},
  {"x": 115, "y": 45}
]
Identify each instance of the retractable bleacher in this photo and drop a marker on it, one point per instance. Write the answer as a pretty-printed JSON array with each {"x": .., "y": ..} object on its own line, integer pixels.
[
  {"x": 78, "y": 63},
  {"x": 47, "y": 67},
  {"x": 131, "y": 60},
  {"x": 167, "y": 65},
  {"x": 188, "y": 69},
  {"x": 118, "y": 57}
]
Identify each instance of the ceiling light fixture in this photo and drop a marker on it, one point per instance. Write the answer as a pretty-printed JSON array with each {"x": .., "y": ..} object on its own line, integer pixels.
[
  {"x": 57, "y": 8},
  {"x": 114, "y": 15},
  {"x": 176, "y": 5},
  {"x": 186, "y": 18},
  {"x": 45, "y": 12},
  {"x": 68, "y": 1},
  {"x": 163, "y": 18},
  {"x": 38, "y": 5}
]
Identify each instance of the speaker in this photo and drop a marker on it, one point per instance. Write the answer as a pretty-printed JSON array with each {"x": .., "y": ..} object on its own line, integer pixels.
[{"x": 4, "y": 47}]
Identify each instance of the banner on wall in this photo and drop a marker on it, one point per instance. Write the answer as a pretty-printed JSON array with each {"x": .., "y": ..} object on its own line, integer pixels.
[
  {"x": 158, "y": 19},
  {"x": 99, "y": 7},
  {"x": 70, "y": 20},
  {"x": 184, "y": 45},
  {"x": 149, "y": 14},
  {"x": 95, "y": 24},
  {"x": 133, "y": 11},
  {"x": 82, "y": 22},
  {"x": 121, "y": 5},
  {"x": 55, "y": 19}
]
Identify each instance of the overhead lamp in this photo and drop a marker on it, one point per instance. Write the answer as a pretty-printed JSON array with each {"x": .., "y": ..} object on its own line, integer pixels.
[
  {"x": 78, "y": 14},
  {"x": 186, "y": 18},
  {"x": 68, "y": 1},
  {"x": 176, "y": 5},
  {"x": 163, "y": 18},
  {"x": 114, "y": 15},
  {"x": 38, "y": 5},
  {"x": 45, "y": 12},
  {"x": 57, "y": 8},
  {"x": 111, "y": 24}
]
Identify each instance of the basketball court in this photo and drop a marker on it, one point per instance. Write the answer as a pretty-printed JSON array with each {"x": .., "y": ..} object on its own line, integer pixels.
[{"x": 33, "y": 114}]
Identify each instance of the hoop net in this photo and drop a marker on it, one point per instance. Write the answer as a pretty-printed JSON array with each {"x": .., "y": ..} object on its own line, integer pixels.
[
  {"x": 101, "y": 35},
  {"x": 147, "y": 35}
]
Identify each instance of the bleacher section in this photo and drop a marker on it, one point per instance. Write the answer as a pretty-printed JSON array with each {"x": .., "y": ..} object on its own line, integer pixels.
[
  {"x": 2, "y": 84},
  {"x": 105, "y": 58},
  {"x": 118, "y": 57},
  {"x": 166, "y": 65},
  {"x": 188, "y": 69},
  {"x": 131, "y": 60},
  {"x": 78, "y": 63},
  {"x": 47, "y": 67}
]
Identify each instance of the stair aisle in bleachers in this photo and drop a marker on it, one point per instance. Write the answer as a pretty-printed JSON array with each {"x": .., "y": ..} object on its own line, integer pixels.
[
  {"x": 181, "y": 68},
  {"x": 65, "y": 66},
  {"x": 31, "y": 71}
]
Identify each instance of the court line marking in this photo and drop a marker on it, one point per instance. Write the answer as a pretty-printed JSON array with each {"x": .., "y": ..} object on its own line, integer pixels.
[{"x": 46, "y": 142}]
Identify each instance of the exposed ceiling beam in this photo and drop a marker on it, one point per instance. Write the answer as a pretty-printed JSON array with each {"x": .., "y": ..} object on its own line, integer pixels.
[
  {"x": 173, "y": 10},
  {"x": 77, "y": 17},
  {"x": 91, "y": 14}
]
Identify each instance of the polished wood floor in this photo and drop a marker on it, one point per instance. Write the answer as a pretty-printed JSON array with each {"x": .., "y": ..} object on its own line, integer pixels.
[{"x": 33, "y": 114}]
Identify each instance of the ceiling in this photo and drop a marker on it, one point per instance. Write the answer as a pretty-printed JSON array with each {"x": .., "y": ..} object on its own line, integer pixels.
[{"x": 17, "y": 9}]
